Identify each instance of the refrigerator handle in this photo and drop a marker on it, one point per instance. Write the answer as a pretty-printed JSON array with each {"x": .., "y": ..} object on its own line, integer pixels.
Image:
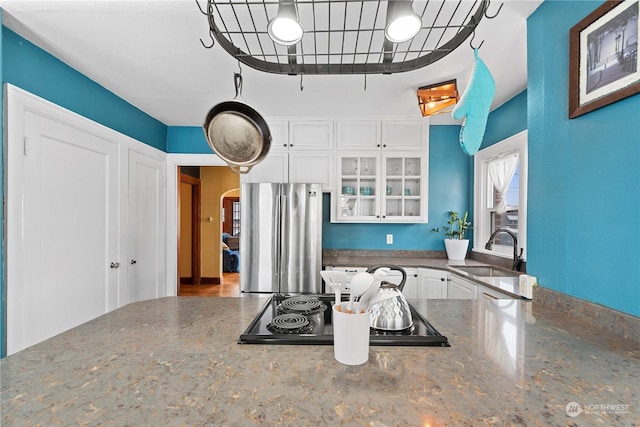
[{"x": 278, "y": 241}]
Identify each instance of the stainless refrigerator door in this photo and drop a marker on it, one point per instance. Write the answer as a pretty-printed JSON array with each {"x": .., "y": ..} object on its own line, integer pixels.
[
  {"x": 260, "y": 237},
  {"x": 301, "y": 238}
]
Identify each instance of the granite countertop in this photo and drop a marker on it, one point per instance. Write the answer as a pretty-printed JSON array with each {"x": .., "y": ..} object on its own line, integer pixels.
[{"x": 176, "y": 361}]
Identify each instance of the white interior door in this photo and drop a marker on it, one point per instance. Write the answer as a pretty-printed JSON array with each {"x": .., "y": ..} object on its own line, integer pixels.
[
  {"x": 63, "y": 230},
  {"x": 147, "y": 230}
]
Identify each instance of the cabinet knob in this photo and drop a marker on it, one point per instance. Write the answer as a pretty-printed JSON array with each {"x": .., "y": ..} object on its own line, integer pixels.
[
  {"x": 290, "y": 145},
  {"x": 133, "y": 261},
  {"x": 115, "y": 265},
  {"x": 284, "y": 145},
  {"x": 384, "y": 216},
  {"x": 442, "y": 279},
  {"x": 384, "y": 145},
  {"x": 378, "y": 145}
]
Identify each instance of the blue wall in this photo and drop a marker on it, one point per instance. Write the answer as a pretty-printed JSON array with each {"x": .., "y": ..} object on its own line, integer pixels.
[
  {"x": 34, "y": 70},
  {"x": 584, "y": 175},
  {"x": 507, "y": 120},
  {"x": 187, "y": 140},
  {"x": 449, "y": 171}
]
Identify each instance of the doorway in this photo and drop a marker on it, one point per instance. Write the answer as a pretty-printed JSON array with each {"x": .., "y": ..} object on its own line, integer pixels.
[{"x": 215, "y": 184}]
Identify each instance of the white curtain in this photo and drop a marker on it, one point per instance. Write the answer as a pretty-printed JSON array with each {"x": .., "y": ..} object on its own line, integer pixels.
[{"x": 501, "y": 172}]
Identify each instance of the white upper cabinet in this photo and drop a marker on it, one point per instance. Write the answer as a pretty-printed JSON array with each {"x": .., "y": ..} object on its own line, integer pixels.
[
  {"x": 279, "y": 135},
  {"x": 405, "y": 134},
  {"x": 301, "y": 152},
  {"x": 358, "y": 134},
  {"x": 311, "y": 135},
  {"x": 376, "y": 135}
]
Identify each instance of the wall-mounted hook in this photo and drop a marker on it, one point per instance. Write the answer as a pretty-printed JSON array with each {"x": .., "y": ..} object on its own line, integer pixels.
[
  {"x": 496, "y": 14},
  {"x": 471, "y": 41}
]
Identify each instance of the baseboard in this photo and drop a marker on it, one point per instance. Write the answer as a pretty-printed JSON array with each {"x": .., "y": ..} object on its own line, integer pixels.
[{"x": 203, "y": 280}]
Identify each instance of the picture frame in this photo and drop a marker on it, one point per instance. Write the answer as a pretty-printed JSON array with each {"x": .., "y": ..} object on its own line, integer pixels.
[{"x": 603, "y": 57}]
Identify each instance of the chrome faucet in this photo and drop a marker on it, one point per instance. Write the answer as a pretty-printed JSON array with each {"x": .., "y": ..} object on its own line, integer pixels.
[{"x": 517, "y": 259}]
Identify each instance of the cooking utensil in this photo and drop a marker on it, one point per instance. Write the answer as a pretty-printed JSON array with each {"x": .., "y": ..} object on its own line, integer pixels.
[
  {"x": 359, "y": 284},
  {"x": 390, "y": 310},
  {"x": 237, "y": 133},
  {"x": 337, "y": 280}
]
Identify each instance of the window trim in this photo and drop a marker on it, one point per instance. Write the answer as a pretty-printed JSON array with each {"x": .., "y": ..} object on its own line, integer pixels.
[{"x": 481, "y": 232}]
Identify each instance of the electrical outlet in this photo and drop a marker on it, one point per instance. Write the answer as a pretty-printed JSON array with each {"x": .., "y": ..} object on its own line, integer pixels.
[{"x": 389, "y": 239}]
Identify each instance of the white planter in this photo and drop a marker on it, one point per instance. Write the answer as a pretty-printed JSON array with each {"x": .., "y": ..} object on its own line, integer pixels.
[{"x": 456, "y": 249}]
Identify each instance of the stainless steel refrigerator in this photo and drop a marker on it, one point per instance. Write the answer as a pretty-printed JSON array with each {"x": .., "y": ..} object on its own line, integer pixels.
[{"x": 280, "y": 238}]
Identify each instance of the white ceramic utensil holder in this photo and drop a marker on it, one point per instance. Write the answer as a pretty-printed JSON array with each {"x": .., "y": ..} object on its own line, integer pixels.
[{"x": 350, "y": 336}]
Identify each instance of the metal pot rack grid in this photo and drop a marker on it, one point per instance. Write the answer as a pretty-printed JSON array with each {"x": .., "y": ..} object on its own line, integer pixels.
[{"x": 340, "y": 36}]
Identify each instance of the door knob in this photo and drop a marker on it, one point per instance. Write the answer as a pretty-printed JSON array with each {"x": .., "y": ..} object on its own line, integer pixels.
[{"x": 115, "y": 264}]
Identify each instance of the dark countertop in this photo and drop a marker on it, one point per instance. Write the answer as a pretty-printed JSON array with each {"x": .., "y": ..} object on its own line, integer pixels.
[{"x": 176, "y": 361}]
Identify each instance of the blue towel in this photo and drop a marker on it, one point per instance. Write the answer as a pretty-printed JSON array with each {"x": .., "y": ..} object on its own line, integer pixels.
[{"x": 474, "y": 106}]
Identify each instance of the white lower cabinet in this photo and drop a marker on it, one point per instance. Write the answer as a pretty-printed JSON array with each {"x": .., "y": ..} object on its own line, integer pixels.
[
  {"x": 459, "y": 288},
  {"x": 410, "y": 289},
  {"x": 432, "y": 284}
]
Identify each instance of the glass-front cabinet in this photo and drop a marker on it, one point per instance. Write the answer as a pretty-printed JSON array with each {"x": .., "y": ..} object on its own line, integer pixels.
[
  {"x": 380, "y": 188},
  {"x": 358, "y": 199},
  {"x": 403, "y": 189}
]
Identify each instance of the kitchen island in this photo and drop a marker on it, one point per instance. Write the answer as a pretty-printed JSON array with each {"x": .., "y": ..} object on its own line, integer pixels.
[{"x": 176, "y": 361}]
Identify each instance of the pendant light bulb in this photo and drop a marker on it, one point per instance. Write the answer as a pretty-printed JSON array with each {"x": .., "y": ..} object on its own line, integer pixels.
[
  {"x": 403, "y": 23},
  {"x": 285, "y": 28}
]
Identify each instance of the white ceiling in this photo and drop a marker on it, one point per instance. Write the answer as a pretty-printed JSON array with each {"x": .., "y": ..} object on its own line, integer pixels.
[{"x": 148, "y": 52}]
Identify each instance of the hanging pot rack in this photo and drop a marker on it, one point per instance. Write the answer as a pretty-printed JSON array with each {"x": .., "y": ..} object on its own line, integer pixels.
[{"x": 341, "y": 36}]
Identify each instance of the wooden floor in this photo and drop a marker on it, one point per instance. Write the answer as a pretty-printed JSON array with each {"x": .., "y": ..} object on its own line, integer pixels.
[{"x": 230, "y": 287}]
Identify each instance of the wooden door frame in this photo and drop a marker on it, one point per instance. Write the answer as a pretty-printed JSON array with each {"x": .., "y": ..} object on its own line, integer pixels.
[{"x": 195, "y": 227}]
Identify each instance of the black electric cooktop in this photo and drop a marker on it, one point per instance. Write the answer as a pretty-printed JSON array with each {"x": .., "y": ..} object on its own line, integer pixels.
[{"x": 319, "y": 330}]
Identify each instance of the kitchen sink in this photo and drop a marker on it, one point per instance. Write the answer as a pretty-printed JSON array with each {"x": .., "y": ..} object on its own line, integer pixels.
[{"x": 486, "y": 271}]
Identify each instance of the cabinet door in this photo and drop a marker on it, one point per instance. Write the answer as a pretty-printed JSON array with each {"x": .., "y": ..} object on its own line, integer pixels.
[
  {"x": 312, "y": 168},
  {"x": 358, "y": 135},
  {"x": 313, "y": 135},
  {"x": 462, "y": 289},
  {"x": 432, "y": 283},
  {"x": 357, "y": 188},
  {"x": 405, "y": 134},
  {"x": 410, "y": 289},
  {"x": 279, "y": 134},
  {"x": 404, "y": 198},
  {"x": 274, "y": 168}
]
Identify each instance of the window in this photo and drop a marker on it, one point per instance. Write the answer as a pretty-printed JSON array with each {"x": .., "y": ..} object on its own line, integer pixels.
[{"x": 500, "y": 195}]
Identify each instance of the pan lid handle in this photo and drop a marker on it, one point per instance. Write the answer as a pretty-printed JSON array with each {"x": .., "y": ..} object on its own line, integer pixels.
[{"x": 237, "y": 80}]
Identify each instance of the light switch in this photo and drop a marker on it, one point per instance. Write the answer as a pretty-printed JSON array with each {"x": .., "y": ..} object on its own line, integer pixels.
[{"x": 389, "y": 239}]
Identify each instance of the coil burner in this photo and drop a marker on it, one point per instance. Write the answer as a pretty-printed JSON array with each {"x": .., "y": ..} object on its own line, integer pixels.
[
  {"x": 302, "y": 304},
  {"x": 290, "y": 323}
]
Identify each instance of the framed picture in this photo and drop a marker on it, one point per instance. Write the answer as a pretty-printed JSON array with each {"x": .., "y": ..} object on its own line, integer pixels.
[{"x": 603, "y": 57}]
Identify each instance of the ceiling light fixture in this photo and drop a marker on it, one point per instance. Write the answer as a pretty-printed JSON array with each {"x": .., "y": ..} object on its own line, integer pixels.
[
  {"x": 438, "y": 98},
  {"x": 285, "y": 28},
  {"x": 402, "y": 22}
]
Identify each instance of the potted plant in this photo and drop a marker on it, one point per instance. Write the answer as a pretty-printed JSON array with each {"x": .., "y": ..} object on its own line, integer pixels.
[{"x": 454, "y": 242}]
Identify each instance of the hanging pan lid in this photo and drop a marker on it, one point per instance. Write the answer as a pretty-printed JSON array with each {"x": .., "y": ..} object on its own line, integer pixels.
[{"x": 237, "y": 133}]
